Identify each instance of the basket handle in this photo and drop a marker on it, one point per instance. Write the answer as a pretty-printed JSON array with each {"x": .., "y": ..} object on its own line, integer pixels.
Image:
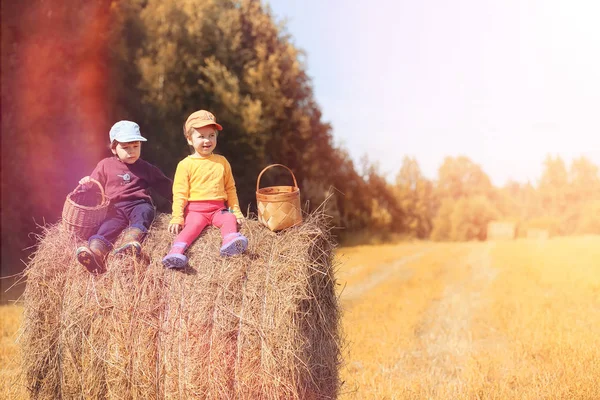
[
  {"x": 275, "y": 165},
  {"x": 97, "y": 183}
]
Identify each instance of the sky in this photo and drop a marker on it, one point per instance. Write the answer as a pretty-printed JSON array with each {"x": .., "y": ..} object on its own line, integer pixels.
[{"x": 505, "y": 83}]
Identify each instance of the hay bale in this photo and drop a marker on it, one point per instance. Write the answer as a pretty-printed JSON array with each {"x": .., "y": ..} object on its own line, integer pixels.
[
  {"x": 259, "y": 326},
  {"x": 498, "y": 230},
  {"x": 539, "y": 234}
]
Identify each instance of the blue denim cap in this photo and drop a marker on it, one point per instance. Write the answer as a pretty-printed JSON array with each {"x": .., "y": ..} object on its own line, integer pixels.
[{"x": 125, "y": 132}]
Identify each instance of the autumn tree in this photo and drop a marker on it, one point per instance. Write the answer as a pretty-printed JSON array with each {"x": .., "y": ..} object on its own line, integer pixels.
[
  {"x": 470, "y": 217},
  {"x": 414, "y": 194},
  {"x": 442, "y": 221},
  {"x": 589, "y": 222},
  {"x": 240, "y": 64},
  {"x": 553, "y": 186},
  {"x": 463, "y": 184},
  {"x": 460, "y": 177},
  {"x": 581, "y": 196},
  {"x": 386, "y": 216}
]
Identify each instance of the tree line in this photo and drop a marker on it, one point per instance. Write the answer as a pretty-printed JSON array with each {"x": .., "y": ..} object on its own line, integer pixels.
[
  {"x": 71, "y": 68},
  {"x": 460, "y": 203}
]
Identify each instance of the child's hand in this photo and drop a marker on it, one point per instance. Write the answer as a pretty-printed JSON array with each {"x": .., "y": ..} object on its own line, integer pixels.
[
  {"x": 240, "y": 220},
  {"x": 174, "y": 228}
]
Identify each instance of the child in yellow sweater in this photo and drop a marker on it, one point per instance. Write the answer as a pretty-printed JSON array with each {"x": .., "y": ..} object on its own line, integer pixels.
[{"x": 204, "y": 193}]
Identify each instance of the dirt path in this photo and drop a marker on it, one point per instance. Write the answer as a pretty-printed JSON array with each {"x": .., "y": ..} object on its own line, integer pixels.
[
  {"x": 446, "y": 334},
  {"x": 397, "y": 269}
]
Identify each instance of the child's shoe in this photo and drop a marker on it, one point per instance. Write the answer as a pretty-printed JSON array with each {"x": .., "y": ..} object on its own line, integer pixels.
[
  {"x": 132, "y": 239},
  {"x": 234, "y": 243},
  {"x": 92, "y": 257},
  {"x": 176, "y": 259}
]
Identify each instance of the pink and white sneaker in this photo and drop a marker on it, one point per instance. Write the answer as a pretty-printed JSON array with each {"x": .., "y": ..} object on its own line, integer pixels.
[
  {"x": 234, "y": 243},
  {"x": 176, "y": 259}
]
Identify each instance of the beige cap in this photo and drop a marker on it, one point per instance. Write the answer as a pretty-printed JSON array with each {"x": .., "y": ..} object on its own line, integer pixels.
[{"x": 201, "y": 118}]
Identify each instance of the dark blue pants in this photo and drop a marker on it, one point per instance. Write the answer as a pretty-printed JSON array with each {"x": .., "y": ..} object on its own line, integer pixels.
[{"x": 133, "y": 214}]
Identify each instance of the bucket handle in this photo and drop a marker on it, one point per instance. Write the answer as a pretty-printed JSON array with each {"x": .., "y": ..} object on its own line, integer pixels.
[
  {"x": 275, "y": 165},
  {"x": 97, "y": 183}
]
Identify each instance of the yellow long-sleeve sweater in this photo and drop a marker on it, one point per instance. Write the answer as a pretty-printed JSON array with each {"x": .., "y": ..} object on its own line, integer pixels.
[{"x": 207, "y": 178}]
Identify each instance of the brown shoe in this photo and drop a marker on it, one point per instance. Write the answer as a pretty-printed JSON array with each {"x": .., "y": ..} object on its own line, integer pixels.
[
  {"x": 132, "y": 242},
  {"x": 92, "y": 257}
]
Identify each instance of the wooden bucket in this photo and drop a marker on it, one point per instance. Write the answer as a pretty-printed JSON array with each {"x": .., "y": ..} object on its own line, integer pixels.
[
  {"x": 85, "y": 210},
  {"x": 278, "y": 206}
]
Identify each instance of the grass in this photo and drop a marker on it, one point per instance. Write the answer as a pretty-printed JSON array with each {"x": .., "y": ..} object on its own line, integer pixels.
[
  {"x": 10, "y": 321},
  {"x": 499, "y": 320}
]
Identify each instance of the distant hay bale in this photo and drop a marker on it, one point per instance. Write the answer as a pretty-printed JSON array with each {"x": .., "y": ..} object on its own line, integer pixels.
[
  {"x": 497, "y": 230},
  {"x": 259, "y": 326},
  {"x": 536, "y": 233}
]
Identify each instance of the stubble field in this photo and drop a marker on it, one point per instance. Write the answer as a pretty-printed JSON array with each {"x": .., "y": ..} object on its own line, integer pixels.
[{"x": 493, "y": 320}]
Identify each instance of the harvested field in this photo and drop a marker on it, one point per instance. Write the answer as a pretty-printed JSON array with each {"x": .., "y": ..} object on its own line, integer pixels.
[{"x": 494, "y": 320}]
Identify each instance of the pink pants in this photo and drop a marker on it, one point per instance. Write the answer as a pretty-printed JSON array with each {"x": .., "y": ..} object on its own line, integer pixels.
[{"x": 199, "y": 214}]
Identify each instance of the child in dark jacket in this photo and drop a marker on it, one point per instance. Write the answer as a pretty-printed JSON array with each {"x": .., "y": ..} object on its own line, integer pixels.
[{"x": 126, "y": 179}]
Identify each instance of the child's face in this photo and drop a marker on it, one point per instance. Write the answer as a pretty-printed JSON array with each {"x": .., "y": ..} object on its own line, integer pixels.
[
  {"x": 128, "y": 152},
  {"x": 203, "y": 140}
]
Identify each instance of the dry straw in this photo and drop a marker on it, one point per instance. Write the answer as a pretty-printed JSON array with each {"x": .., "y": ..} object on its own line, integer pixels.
[{"x": 259, "y": 326}]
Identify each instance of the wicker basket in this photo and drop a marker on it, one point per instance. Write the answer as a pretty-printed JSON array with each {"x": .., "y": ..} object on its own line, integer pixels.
[
  {"x": 84, "y": 210},
  {"x": 278, "y": 206}
]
